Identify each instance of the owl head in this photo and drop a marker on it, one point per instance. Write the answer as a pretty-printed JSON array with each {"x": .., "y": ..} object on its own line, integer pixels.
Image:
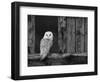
[{"x": 48, "y": 35}]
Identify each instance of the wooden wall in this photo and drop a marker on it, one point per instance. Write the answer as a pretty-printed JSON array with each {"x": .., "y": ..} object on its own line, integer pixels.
[{"x": 72, "y": 34}]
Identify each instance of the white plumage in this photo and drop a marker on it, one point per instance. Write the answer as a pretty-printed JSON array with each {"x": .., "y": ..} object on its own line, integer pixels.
[{"x": 45, "y": 44}]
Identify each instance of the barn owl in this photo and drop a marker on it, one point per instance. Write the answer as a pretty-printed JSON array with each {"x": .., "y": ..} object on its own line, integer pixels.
[{"x": 45, "y": 44}]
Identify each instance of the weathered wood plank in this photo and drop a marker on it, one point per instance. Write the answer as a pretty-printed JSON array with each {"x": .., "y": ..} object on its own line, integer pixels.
[
  {"x": 86, "y": 35},
  {"x": 62, "y": 33},
  {"x": 78, "y": 34},
  {"x": 70, "y": 35},
  {"x": 82, "y": 36},
  {"x": 55, "y": 55},
  {"x": 31, "y": 34}
]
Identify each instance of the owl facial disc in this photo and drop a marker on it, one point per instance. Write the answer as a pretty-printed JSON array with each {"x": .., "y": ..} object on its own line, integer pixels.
[{"x": 48, "y": 35}]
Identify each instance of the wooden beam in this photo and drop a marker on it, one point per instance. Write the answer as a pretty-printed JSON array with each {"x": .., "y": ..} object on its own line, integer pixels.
[{"x": 55, "y": 55}]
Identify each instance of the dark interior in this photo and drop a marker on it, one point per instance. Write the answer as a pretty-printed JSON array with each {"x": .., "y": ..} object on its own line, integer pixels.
[{"x": 43, "y": 24}]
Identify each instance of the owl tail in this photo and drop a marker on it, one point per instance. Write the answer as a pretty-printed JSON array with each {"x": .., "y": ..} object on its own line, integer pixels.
[{"x": 42, "y": 57}]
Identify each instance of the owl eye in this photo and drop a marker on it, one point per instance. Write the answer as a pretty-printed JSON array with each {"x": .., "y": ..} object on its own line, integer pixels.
[{"x": 50, "y": 35}]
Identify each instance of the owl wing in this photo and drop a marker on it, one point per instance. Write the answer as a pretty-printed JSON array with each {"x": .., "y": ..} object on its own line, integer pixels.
[{"x": 45, "y": 47}]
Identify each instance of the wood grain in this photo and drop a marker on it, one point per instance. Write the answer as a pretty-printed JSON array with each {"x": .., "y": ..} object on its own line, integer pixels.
[
  {"x": 31, "y": 34},
  {"x": 70, "y": 35}
]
